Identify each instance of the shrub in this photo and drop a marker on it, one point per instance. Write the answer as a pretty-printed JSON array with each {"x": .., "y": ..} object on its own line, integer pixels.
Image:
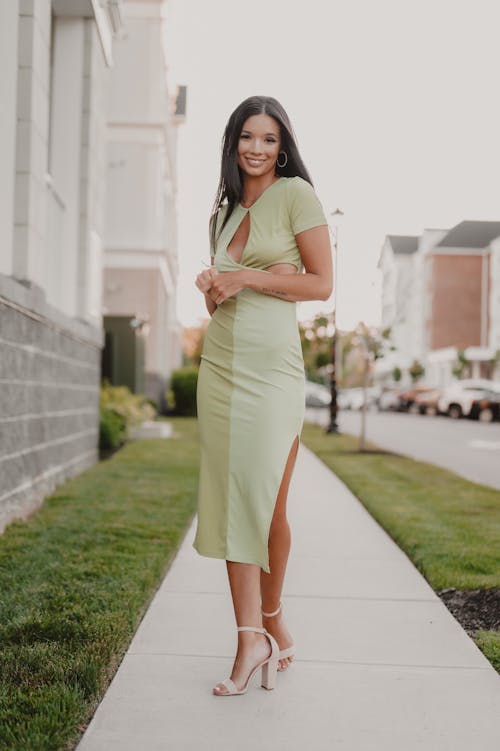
[
  {"x": 120, "y": 409},
  {"x": 112, "y": 429},
  {"x": 134, "y": 408},
  {"x": 183, "y": 386}
]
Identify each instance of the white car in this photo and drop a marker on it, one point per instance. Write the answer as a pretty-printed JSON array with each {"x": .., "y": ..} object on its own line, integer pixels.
[
  {"x": 388, "y": 399},
  {"x": 457, "y": 399},
  {"x": 352, "y": 398},
  {"x": 317, "y": 395}
]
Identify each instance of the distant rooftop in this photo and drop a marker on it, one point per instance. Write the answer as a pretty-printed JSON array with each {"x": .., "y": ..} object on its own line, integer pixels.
[
  {"x": 471, "y": 235},
  {"x": 405, "y": 244}
]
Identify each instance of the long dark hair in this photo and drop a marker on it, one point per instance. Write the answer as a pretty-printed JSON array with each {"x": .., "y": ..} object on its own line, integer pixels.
[{"x": 230, "y": 186}]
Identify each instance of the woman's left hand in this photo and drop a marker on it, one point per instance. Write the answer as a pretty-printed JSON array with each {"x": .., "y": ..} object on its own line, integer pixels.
[{"x": 226, "y": 284}]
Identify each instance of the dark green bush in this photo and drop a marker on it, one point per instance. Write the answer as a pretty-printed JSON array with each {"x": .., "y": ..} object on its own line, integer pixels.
[
  {"x": 183, "y": 387},
  {"x": 112, "y": 429}
]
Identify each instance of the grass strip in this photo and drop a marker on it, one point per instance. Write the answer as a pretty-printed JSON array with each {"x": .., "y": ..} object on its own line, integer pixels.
[
  {"x": 449, "y": 527},
  {"x": 76, "y": 579}
]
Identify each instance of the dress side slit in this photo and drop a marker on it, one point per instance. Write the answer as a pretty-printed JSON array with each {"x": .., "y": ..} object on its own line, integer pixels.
[{"x": 281, "y": 498}]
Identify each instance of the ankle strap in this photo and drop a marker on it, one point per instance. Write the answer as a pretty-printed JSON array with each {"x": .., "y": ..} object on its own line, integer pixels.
[
  {"x": 252, "y": 628},
  {"x": 270, "y": 615}
]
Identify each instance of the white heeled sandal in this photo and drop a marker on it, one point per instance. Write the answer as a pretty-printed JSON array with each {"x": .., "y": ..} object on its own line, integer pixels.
[
  {"x": 269, "y": 667},
  {"x": 289, "y": 651}
]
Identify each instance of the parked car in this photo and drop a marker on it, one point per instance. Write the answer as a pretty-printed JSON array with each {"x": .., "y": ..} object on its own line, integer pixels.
[
  {"x": 457, "y": 400},
  {"x": 317, "y": 395},
  {"x": 343, "y": 399},
  {"x": 351, "y": 398},
  {"x": 487, "y": 407},
  {"x": 426, "y": 402},
  {"x": 388, "y": 398},
  {"x": 354, "y": 398},
  {"x": 372, "y": 396},
  {"x": 407, "y": 398}
]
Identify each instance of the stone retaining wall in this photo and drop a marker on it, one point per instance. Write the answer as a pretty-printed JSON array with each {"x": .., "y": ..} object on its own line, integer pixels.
[{"x": 49, "y": 399}]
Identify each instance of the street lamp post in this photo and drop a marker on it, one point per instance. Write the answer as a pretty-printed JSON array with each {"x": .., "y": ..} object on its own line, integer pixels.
[{"x": 333, "y": 427}]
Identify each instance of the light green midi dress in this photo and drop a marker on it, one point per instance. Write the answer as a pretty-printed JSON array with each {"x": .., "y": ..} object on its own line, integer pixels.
[{"x": 250, "y": 394}]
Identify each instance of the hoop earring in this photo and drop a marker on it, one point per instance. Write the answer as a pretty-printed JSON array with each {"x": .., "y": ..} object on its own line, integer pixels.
[{"x": 285, "y": 162}]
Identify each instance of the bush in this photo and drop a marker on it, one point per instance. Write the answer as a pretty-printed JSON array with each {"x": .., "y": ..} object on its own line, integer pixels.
[
  {"x": 134, "y": 408},
  {"x": 183, "y": 386},
  {"x": 112, "y": 429},
  {"x": 120, "y": 409}
]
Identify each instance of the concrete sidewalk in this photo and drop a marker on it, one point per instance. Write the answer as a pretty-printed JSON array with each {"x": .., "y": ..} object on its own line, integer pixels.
[{"x": 381, "y": 663}]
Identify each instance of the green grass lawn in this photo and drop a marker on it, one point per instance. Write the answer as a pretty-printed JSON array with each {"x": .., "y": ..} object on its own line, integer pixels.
[
  {"x": 449, "y": 527},
  {"x": 76, "y": 579}
]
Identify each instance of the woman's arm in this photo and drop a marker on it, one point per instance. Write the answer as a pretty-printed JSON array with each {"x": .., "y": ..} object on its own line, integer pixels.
[
  {"x": 204, "y": 283},
  {"x": 316, "y": 284},
  {"x": 211, "y": 305}
]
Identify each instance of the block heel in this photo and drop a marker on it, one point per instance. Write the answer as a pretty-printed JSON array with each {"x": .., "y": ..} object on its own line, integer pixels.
[
  {"x": 269, "y": 673},
  {"x": 269, "y": 667}
]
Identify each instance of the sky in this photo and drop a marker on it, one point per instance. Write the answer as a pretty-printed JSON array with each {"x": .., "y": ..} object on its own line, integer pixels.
[{"x": 394, "y": 104}]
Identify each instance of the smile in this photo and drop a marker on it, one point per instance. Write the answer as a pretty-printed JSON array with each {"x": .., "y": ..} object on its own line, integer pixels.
[{"x": 254, "y": 162}]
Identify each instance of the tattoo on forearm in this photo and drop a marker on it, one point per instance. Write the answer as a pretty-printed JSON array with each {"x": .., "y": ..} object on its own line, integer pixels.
[{"x": 275, "y": 291}]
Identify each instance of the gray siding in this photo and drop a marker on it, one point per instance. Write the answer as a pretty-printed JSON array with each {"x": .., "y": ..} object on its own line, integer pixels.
[{"x": 49, "y": 401}]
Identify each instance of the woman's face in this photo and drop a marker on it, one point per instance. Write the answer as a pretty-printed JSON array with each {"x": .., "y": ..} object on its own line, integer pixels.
[{"x": 258, "y": 145}]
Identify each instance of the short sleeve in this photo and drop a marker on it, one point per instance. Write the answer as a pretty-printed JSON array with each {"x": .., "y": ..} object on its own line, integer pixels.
[{"x": 305, "y": 208}]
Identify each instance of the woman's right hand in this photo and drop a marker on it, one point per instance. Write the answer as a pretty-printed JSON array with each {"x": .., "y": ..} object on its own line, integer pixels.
[{"x": 204, "y": 280}]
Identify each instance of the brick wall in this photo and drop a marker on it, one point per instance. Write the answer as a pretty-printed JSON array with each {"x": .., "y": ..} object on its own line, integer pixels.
[{"x": 455, "y": 293}]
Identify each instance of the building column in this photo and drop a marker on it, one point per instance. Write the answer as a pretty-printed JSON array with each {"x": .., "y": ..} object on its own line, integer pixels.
[
  {"x": 92, "y": 170},
  {"x": 65, "y": 150},
  {"x": 9, "y": 16},
  {"x": 32, "y": 137}
]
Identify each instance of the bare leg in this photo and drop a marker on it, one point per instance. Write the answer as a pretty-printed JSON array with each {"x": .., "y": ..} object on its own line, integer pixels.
[
  {"x": 253, "y": 648},
  {"x": 271, "y": 585}
]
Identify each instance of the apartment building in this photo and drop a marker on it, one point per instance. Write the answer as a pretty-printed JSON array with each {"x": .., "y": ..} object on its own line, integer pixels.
[
  {"x": 461, "y": 314},
  {"x": 397, "y": 262},
  {"x": 74, "y": 139},
  {"x": 441, "y": 296},
  {"x": 143, "y": 335}
]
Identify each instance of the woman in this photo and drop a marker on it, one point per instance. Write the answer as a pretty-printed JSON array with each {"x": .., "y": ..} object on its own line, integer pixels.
[{"x": 270, "y": 248}]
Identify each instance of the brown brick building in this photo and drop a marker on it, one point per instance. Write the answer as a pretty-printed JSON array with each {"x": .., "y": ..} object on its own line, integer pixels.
[
  {"x": 441, "y": 298},
  {"x": 458, "y": 287}
]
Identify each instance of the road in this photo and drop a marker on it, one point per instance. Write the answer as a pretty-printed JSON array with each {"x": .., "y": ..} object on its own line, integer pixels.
[{"x": 467, "y": 447}]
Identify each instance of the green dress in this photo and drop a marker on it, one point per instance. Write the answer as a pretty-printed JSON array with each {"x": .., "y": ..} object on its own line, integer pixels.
[{"x": 250, "y": 393}]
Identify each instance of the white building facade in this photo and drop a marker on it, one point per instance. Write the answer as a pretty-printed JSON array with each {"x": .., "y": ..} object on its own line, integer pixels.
[
  {"x": 64, "y": 127},
  {"x": 400, "y": 305},
  {"x": 140, "y": 243},
  {"x": 55, "y": 57}
]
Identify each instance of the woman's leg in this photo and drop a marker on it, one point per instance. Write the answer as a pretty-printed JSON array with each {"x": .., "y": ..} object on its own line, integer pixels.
[
  {"x": 253, "y": 648},
  {"x": 271, "y": 585}
]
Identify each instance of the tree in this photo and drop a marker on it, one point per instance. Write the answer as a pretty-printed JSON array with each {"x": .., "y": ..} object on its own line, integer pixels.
[
  {"x": 316, "y": 337},
  {"x": 462, "y": 365},
  {"x": 416, "y": 370},
  {"x": 192, "y": 343},
  {"x": 397, "y": 374},
  {"x": 373, "y": 344}
]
